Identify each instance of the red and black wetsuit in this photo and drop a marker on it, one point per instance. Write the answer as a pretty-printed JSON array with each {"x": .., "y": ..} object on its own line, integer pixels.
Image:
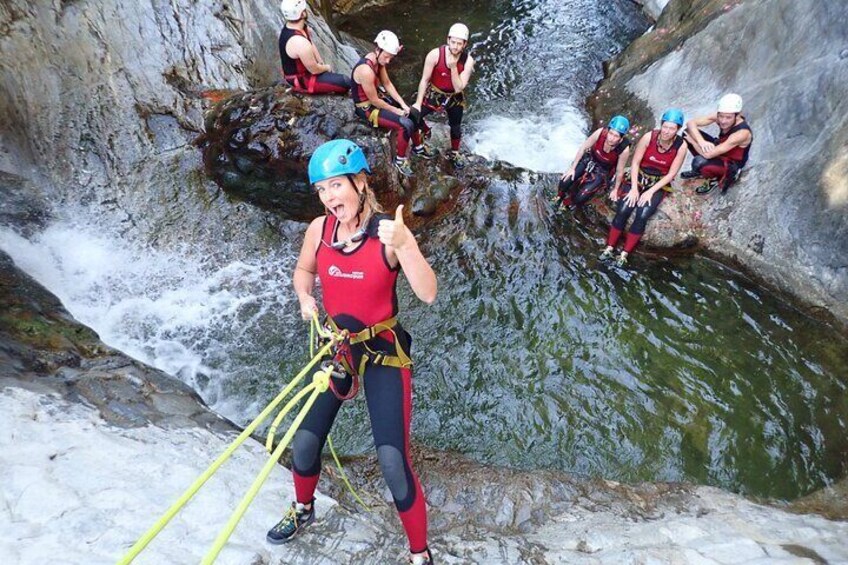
[
  {"x": 593, "y": 172},
  {"x": 441, "y": 96},
  {"x": 725, "y": 167},
  {"x": 358, "y": 288},
  {"x": 655, "y": 164},
  {"x": 299, "y": 77},
  {"x": 378, "y": 117}
]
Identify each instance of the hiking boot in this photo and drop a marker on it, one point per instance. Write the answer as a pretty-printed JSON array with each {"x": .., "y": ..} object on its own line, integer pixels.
[
  {"x": 402, "y": 166},
  {"x": 423, "y": 151},
  {"x": 622, "y": 259},
  {"x": 690, "y": 174},
  {"x": 457, "y": 159},
  {"x": 708, "y": 186},
  {"x": 295, "y": 519},
  {"x": 422, "y": 559},
  {"x": 606, "y": 255}
]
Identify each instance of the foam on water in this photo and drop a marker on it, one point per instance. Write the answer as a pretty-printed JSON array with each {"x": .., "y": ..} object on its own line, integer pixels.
[
  {"x": 170, "y": 309},
  {"x": 545, "y": 141}
]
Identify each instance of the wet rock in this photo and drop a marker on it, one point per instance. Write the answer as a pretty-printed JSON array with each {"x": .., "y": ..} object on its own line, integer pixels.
[
  {"x": 22, "y": 204},
  {"x": 257, "y": 146},
  {"x": 424, "y": 206},
  {"x": 785, "y": 219},
  {"x": 43, "y": 347}
]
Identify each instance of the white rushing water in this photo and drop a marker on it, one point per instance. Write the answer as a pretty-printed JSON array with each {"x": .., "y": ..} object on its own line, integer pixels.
[
  {"x": 170, "y": 309},
  {"x": 545, "y": 141}
]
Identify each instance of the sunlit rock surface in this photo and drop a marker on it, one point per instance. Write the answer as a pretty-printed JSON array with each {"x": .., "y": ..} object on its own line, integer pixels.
[{"x": 786, "y": 218}]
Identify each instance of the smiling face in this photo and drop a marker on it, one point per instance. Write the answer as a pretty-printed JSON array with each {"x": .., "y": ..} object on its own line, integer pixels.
[
  {"x": 668, "y": 130},
  {"x": 725, "y": 120},
  {"x": 455, "y": 46}
]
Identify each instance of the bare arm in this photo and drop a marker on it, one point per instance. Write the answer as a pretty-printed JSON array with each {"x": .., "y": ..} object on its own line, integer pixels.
[
  {"x": 300, "y": 48},
  {"x": 390, "y": 88},
  {"x": 402, "y": 248},
  {"x": 364, "y": 76},
  {"x": 693, "y": 131},
  {"x": 632, "y": 196},
  {"x": 587, "y": 143},
  {"x": 619, "y": 169},
  {"x": 429, "y": 64},
  {"x": 303, "y": 278},
  {"x": 460, "y": 81},
  {"x": 736, "y": 139}
]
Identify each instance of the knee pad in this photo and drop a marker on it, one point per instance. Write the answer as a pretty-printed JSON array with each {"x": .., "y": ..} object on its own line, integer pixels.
[
  {"x": 698, "y": 162},
  {"x": 305, "y": 452},
  {"x": 394, "y": 471},
  {"x": 408, "y": 126}
]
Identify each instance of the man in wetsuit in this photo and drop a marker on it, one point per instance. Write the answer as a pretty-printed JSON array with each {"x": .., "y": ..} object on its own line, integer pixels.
[
  {"x": 303, "y": 68},
  {"x": 719, "y": 160},
  {"x": 376, "y": 100},
  {"x": 447, "y": 70}
]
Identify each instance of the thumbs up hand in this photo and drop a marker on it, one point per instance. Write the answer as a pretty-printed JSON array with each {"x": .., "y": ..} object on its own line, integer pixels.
[{"x": 394, "y": 233}]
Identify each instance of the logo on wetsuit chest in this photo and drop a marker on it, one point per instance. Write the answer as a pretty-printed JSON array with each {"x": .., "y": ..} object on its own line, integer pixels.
[
  {"x": 334, "y": 271},
  {"x": 655, "y": 160}
]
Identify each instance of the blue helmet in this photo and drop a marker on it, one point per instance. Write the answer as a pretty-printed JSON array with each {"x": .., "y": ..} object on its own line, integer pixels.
[
  {"x": 619, "y": 124},
  {"x": 336, "y": 158},
  {"x": 673, "y": 115}
]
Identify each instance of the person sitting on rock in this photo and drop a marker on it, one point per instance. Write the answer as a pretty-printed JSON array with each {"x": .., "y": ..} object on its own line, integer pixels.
[
  {"x": 602, "y": 156},
  {"x": 447, "y": 70},
  {"x": 357, "y": 253},
  {"x": 719, "y": 160},
  {"x": 656, "y": 160},
  {"x": 303, "y": 68},
  {"x": 377, "y": 100}
]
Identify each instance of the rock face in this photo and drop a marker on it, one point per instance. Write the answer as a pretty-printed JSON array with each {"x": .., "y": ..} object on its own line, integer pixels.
[
  {"x": 786, "y": 218},
  {"x": 102, "y": 101}
]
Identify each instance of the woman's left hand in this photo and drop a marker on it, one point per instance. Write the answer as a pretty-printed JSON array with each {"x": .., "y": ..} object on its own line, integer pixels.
[
  {"x": 646, "y": 196},
  {"x": 394, "y": 233}
]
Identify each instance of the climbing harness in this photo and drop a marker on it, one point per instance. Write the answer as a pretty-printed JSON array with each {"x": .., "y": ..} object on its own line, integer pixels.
[
  {"x": 437, "y": 99},
  {"x": 335, "y": 343}
]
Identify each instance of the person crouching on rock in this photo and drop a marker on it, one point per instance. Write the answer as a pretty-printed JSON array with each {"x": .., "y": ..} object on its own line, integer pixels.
[
  {"x": 602, "y": 156},
  {"x": 656, "y": 160},
  {"x": 303, "y": 68},
  {"x": 719, "y": 160},
  {"x": 357, "y": 253},
  {"x": 384, "y": 109},
  {"x": 447, "y": 70}
]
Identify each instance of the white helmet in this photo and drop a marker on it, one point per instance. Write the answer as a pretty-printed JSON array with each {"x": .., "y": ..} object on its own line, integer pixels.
[
  {"x": 459, "y": 31},
  {"x": 292, "y": 9},
  {"x": 730, "y": 104},
  {"x": 388, "y": 41}
]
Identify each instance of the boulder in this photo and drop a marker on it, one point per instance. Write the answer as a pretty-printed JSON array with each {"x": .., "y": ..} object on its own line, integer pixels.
[{"x": 257, "y": 146}]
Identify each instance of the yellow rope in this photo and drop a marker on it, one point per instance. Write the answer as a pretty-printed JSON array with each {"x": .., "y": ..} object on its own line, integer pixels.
[
  {"x": 313, "y": 327},
  {"x": 148, "y": 536},
  {"x": 320, "y": 383}
]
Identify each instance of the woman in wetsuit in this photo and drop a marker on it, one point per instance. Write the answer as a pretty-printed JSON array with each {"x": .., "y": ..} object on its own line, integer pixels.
[
  {"x": 656, "y": 160},
  {"x": 357, "y": 253},
  {"x": 601, "y": 157}
]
